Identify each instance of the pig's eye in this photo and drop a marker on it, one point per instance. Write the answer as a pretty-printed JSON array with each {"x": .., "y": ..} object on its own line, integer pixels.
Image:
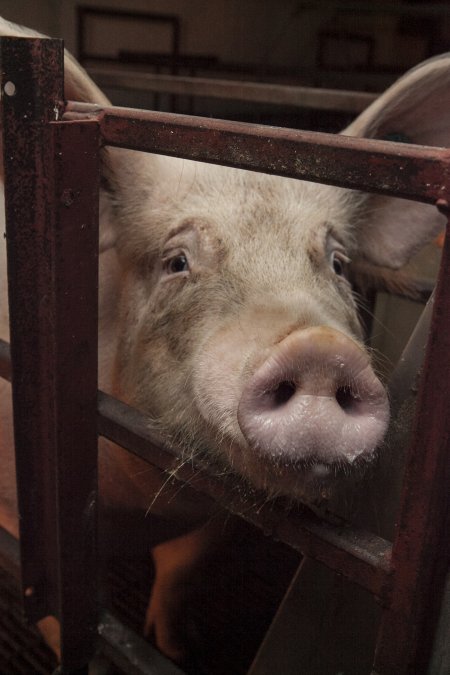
[
  {"x": 178, "y": 263},
  {"x": 339, "y": 261}
]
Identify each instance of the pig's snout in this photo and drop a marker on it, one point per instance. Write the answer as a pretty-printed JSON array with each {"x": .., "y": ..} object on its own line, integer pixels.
[{"x": 315, "y": 400}]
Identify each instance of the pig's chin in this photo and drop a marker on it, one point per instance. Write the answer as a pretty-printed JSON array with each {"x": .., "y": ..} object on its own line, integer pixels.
[{"x": 310, "y": 480}]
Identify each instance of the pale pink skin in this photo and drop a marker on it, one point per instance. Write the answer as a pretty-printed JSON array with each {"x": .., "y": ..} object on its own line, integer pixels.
[
  {"x": 314, "y": 400},
  {"x": 309, "y": 408}
]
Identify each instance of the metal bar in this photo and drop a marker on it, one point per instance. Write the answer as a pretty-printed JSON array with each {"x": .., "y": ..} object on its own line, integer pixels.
[
  {"x": 408, "y": 171},
  {"x": 51, "y": 206},
  {"x": 76, "y": 283},
  {"x": 131, "y": 653},
  {"x": 361, "y": 556},
  {"x": 25, "y": 144},
  {"x": 420, "y": 555},
  {"x": 256, "y": 92}
]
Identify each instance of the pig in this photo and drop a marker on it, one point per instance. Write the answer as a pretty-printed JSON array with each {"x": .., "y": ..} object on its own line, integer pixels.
[{"x": 227, "y": 315}]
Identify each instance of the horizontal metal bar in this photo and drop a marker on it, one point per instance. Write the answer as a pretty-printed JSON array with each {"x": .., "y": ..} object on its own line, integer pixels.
[
  {"x": 409, "y": 171},
  {"x": 129, "y": 652},
  {"x": 256, "y": 92},
  {"x": 358, "y": 555}
]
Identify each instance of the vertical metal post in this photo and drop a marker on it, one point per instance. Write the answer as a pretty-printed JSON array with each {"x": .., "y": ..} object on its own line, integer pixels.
[
  {"x": 421, "y": 548},
  {"x": 51, "y": 195}
]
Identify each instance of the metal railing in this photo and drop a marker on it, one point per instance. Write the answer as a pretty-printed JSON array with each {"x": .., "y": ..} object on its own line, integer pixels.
[
  {"x": 233, "y": 90},
  {"x": 52, "y": 164}
]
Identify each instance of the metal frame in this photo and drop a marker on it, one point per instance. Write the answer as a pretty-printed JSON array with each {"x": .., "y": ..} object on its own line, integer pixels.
[
  {"x": 52, "y": 169},
  {"x": 234, "y": 90}
]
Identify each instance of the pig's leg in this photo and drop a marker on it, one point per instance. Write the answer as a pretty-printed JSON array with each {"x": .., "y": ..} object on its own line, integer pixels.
[{"x": 177, "y": 563}]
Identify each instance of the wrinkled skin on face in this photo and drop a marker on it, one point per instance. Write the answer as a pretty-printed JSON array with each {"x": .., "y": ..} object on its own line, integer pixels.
[{"x": 211, "y": 289}]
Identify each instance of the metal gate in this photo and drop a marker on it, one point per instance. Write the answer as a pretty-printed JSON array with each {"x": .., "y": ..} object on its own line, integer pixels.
[{"x": 52, "y": 162}]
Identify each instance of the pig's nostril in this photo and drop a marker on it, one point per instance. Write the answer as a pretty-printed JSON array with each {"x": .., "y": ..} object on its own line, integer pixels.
[
  {"x": 345, "y": 398},
  {"x": 283, "y": 393}
]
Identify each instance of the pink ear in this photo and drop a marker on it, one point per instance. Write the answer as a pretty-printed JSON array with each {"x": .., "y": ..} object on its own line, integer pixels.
[
  {"x": 78, "y": 86},
  {"x": 393, "y": 230},
  {"x": 414, "y": 110}
]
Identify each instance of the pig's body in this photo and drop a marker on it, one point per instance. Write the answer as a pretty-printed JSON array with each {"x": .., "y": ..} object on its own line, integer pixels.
[{"x": 227, "y": 316}]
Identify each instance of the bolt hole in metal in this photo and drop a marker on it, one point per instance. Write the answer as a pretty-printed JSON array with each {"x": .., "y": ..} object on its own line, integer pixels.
[{"x": 9, "y": 88}]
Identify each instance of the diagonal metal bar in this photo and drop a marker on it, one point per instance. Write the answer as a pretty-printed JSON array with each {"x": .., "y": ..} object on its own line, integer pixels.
[{"x": 356, "y": 554}]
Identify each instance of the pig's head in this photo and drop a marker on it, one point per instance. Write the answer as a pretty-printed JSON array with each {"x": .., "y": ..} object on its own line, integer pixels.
[
  {"x": 239, "y": 332},
  {"x": 238, "y": 329}
]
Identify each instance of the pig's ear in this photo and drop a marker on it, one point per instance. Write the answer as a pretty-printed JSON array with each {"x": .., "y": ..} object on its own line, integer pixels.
[
  {"x": 78, "y": 86},
  {"x": 413, "y": 110}
]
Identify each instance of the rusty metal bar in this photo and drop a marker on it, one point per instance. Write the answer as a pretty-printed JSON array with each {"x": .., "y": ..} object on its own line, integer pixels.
[
  {"x": 412, "y": 172},
  {"x": 421, "y": 549},
  {"x": 235, "y": 90},
  {"x": 52, "y": 234},
  {"x": 361, "y": 556}
]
